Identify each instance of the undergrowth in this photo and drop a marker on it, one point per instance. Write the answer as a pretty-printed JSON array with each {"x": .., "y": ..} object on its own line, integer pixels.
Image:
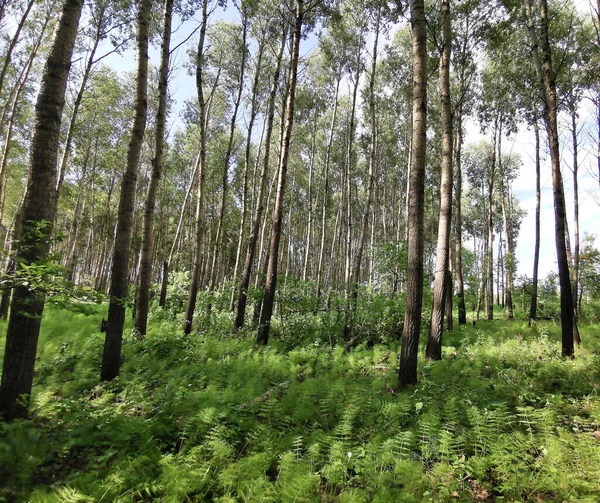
[{"x": 212, "y": 417}]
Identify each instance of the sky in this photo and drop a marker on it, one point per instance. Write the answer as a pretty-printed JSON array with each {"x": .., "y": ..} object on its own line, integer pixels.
[{"x": 183, "y": 87}]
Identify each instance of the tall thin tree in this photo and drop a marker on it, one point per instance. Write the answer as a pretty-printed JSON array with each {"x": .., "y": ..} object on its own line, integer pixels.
[
  {"x": 145, "y": 267},
  {"x": 434, "y": 343},
  {"x": 119, "y": 280},
  {"x": 407, "y": 374},
  {"x": 271, "y": 280},
  {"x": 39, "y": 211}
]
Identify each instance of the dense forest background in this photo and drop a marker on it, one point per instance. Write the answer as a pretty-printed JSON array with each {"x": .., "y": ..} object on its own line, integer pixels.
[{"x": 294, "y": 207}]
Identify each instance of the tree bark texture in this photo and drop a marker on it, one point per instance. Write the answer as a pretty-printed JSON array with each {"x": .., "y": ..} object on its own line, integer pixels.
[
  {"x": 119, "y": 280},
  {"x": 407, "y": 374},
  {"x": 39, "y": 211},
  {"x": 545, "y": 74},
  {"x": 434, "y": 342}
]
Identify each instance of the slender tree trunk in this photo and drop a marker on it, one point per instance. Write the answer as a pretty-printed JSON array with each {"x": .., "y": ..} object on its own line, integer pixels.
[
  {"x": 145, "y": 267},
  {"x": 434, "y": 342},
  {"x": 460, "y": 289},
  {"x": 575, "y": 273},
  {"x": 271, "y": 280},
  {"x": 309, "y": 226},
  {"x": 326, "y": 187},
  {"x": 11, "y": 123},
  {"x": 191, "y": 304},
  {"x": 76, "y": 105},
  {"x": 545, "y": 74},
  {"x": 13, "y": 43},
  {"x": 39, "y": 211},
  {"x": 509, "y": 254},
  {"x": 119, "y": 281},
  {"x": 449, "y": 291},
  {"x": 538, "y": 198},
  {"x": 221, "y": 225},
  {"x": 412, "y": 321},
  {"x": 178, "y": 231},
  {"x": 370, "y": 187},
  {"x": 489, "y": 298},
  {"x": 251, "y": 248},
  {"x": 247, "y": 162}
]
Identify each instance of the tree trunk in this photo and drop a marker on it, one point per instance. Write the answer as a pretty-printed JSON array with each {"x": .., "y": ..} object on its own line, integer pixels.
[
  {"x": 251, "y": 248},
  {"x": 167, "y": 263},
  {"x": 460, "y": 289},
  {"x": 370, "y": 187},
  {"x": 39, "y": 211},
  {"x": 434, "y": 342},
  {"x": 326, "y": 187},
  {"x": 407, "y": 374},
  {"x": 191, "y": 303},
  {"x": 145, "y": 267},
  {"x": 119, "y": 281},
  {"x": 489, "y": 297},
  {"x": 271, "y": 280},
  {"x": 309, "y": 226},
  {"x": 538, "y": 199},
  {"x": 247, "y": 162},
  {"x": 545, "y": 75},
  {"x": 575, "y": 274},
  {"x": 221, "y": 225},
  {"x": 509, "y": 253}
]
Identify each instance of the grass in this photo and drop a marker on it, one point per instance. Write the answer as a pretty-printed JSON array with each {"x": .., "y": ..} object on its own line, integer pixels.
[{"x": 211, "y": 417}]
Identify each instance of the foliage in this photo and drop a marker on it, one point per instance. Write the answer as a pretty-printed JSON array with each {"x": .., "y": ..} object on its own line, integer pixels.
[{"x": 212, "y": 418}]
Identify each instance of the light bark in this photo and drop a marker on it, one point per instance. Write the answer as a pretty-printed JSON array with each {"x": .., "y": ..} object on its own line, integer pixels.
[
  {"x": 145, "y": 266},
  {"x": 259, "y": 206},
  {"x": 39, "y": 212},
  {"x": 197, "y": 266},
  {"x": 436, "y": 329}
]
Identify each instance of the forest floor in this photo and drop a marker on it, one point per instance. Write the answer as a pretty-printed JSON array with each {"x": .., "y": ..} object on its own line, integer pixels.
[{"x": 212, "y": 417}]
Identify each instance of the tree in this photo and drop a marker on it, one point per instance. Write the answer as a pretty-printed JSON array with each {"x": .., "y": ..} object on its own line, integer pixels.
[
  {"x": 39, "y": 211},
  {"x": 145, "y": 268},
  {"x": 271, "y": 280},
  {"x": 259, "y": 204},
  {"x": 547, "y": 88},
  {"x": 119, "y": 282},
  {"x": 434, "y": 343},
  {"x": 416, "y": 198},
  {"x": 201, "y": 173}
]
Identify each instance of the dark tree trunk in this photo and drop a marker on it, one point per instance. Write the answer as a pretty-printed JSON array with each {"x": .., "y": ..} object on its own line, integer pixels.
[
  {"x": 538, "y": 199},
  {"x": 39, "y": 211},
  {"x": 119, "y": 280},
  {"x": 545, "y": 74},
  {"x": 271, "y": 280},
  {"x": 460, "y": 289},
  {"x": 407, "y": 374}
]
